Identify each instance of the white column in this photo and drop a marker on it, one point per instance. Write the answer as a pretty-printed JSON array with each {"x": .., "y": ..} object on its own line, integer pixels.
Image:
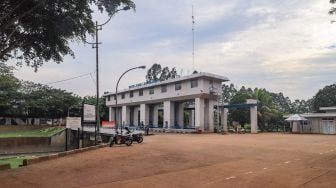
[
  {"x": 211, "y": 115},
  {"x": 180, "y": 115},
  {"x": 144, "y": 114},
  {"x": 156, "y": 115},
  {"x": 192, "y": 118},
  {"x": 168, "y": 113},
  {"x": 225, "y": 119},
  {"x": 135, "y": 116},
  {"x": 119, "y": 114},
  {"x": 125, "y": 115},
  {"x": 254, "y": 119},
  {"x": 199, "y": 113},
  {"x": 111, "y": 113}
]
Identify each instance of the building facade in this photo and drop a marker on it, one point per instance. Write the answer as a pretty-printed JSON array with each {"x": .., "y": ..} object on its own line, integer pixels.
[
  {"x": 321, "y": 123},
  {"x": 181, "y": 103}
]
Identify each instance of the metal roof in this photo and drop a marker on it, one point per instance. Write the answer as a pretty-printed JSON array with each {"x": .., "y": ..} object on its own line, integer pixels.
[{"x": 296, "y": 117}]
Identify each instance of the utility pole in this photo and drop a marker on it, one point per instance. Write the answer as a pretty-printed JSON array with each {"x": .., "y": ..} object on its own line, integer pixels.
[
  {"x": 97, "y": 85},
  {"x": 96, "y": 45}
]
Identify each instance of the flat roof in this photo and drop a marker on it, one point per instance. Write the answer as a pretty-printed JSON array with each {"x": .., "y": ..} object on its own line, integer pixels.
[
  {"x": 328, "y": 108},
  {"x": 178, "y": 79},
  {"x": 308, "y": 115}
]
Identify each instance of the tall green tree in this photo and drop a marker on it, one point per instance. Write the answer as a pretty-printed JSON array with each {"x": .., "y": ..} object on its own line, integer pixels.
[
  {"x": 267, "y": 112},
  {"x": 228, "y": 91},
  {"x": 240, "y": 115},
  {"x": 154, "y": 73},
  {"x": 282, "y": 103},
  {"x": 9, "y": 86},
  {"x": 37, "y": 31},
  {"x": 159, "y": 73},
  {"x": 333, "y": 9},
  {"x": 324, "y": 97}
]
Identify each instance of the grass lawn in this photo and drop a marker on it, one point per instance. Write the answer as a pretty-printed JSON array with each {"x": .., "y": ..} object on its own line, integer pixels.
[
  {"x": 34, "y": 132},
  {"x": 14, "y": 161}
]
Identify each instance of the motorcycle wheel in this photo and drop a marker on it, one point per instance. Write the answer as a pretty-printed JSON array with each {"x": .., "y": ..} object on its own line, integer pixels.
[
  {"x": 128, "y": 142},
  {"x": 140, "y": 139},
  {"x": 111, "y": 143}
]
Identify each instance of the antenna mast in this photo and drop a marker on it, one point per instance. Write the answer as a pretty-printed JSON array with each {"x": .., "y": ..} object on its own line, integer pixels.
[{"x": 193, "y": 37}]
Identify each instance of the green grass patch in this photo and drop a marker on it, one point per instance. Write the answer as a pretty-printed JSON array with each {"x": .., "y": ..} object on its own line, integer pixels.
[
  {"x": 14, "y": 161},
  {"x": 34, "y": 132}
]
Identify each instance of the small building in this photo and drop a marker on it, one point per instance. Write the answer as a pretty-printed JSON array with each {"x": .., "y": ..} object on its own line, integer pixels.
[
  {"x": 181, "y": 103},
  {"x": 321, "y": 123}
]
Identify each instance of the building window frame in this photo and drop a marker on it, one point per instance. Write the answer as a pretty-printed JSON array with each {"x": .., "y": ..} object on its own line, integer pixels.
[
  {"x": 163, "y": 88},
  {"x": 140, "y": 92},
  {"x": 178, "y": 86},
  {"x": 151, "y": 90},
  {"x": 109, "y": 98},
  {"x": 131, "y": 94},
  {"x": 123, "y": 96},
  {"x": 194, "y": 83}
]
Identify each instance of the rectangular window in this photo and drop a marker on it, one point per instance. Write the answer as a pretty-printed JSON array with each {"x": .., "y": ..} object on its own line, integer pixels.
[
  {"x": 151, "y": 91},
  {"x": 141, "y": 92},
  {"x": 123, "y": 95},
  {"x": 164, "y": 88},
  {"x": 131, "y": 94},
  {"x": 108, "y": 98},
  {"x": 211, "y": 83},
  {"x": 194, "y": 83},
  {"x": 178, "y": 86}
]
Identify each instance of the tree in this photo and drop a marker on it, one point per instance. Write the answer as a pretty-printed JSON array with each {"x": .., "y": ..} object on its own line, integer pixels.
[
  {"x": 157, "y": 73},
  {"x": 267, "y": 112},
  {"x": 241, "y": 115},
  {"x": 282, "y": 103},
  {"x": 9, "y": 86},
  {"x": 165, "y": 74},
  {"x": 37, "y": 31},
  {"x": 173, "y": 73},
  {"x": 333, "y": 9},
  {"x": 154, "y": 73},
  {"x": 228, "y": 91},
  {"x": 324, "y": 97}
]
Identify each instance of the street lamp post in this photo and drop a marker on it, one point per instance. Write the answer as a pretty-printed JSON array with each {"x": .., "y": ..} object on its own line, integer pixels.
[
  {"x": 116, "y": 95},
  {"x": 96, "y": 45}
]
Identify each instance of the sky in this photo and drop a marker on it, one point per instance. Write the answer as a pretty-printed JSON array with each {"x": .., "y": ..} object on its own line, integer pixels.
[{"x": 284, "y": 46}]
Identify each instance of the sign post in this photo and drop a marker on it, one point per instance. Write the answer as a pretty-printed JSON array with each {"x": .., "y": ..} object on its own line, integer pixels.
[
  {"x": 89, "y": 115},
  {"x": 72, "y": 123}
]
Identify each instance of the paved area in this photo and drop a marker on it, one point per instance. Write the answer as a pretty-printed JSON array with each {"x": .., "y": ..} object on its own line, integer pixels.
[{"x": 177, "y": 160}]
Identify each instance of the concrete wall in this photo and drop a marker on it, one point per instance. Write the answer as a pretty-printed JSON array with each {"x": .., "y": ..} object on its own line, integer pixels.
[{"x": 32, "y": 121}]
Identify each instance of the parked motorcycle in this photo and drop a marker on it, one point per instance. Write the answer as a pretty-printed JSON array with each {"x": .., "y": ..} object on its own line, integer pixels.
[
  {"x": 120, "y": 139},
  {"x": 138, "y": 137}
]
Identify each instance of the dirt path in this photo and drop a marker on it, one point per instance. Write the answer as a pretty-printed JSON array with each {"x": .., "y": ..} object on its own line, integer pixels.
[{"x": 208, "y": 160}]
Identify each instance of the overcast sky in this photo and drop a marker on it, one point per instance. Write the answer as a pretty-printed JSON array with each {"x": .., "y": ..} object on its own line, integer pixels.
[{"x": 284, "y": 46}]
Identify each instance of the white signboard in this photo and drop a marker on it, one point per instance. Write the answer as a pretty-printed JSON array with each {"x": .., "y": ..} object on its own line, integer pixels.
[
  {"x": 89, "y": 113},
  {"x": 73, "y": 122}
]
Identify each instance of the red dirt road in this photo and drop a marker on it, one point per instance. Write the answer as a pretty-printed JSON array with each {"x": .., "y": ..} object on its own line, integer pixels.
[{"x": 207, "y": 160}]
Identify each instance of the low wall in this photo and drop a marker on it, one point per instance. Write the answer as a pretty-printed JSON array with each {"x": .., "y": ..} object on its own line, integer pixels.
[
  {"x": 16, "y": 145},
  {"x": 24, "y": 141},
  {"x": 32, "y": 121}
]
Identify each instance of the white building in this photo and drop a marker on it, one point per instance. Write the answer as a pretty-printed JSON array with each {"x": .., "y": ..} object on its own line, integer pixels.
[
  {"x": 180, "y": 103},
  {"x": 318, "y": 122}
]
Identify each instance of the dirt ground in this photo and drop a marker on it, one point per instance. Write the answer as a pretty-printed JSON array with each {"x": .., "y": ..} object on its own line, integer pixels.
[{"x": 178, "y": 160}]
